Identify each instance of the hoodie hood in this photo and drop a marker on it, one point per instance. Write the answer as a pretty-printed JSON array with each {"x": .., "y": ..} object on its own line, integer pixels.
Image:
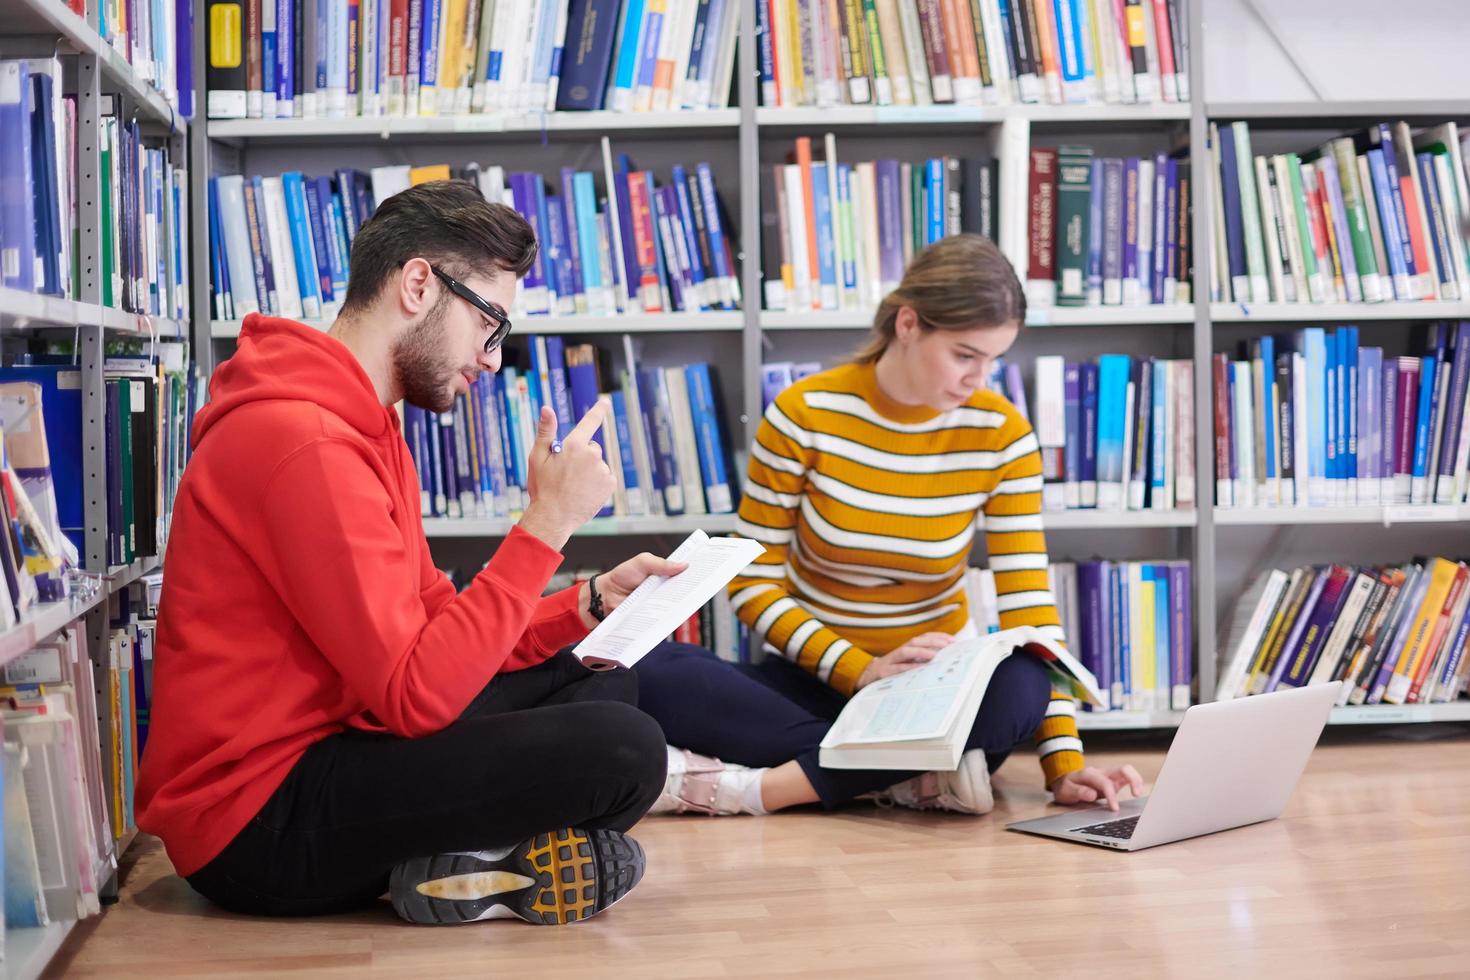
[{"x": 281, "y": 360}]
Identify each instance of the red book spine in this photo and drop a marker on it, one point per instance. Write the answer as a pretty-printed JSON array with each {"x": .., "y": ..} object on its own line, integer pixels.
[
  {"x": 644, "y": 243},
  {"x": 1222, "y": 420},
  {"x": 1042, "y": 266}
]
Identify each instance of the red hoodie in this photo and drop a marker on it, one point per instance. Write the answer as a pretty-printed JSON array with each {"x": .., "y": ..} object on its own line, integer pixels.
[{"x": 300, "y": 598}]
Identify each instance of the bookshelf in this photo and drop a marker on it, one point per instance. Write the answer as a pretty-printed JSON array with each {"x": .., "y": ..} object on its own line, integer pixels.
[
  {"x": 1211, "y": 538},
  {"x": 92, "y": 70}
]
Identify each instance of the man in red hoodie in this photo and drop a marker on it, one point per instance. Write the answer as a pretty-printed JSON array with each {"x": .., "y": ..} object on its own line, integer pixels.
[{"x": 331, "y": 721}]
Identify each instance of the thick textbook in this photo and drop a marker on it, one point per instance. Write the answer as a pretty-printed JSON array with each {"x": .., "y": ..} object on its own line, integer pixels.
[{"x": 920, "y": 719}]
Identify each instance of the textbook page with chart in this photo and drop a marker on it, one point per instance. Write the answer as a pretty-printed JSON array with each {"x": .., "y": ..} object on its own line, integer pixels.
[
  {"x": 660, "y": 605},
  {"x": 920, "y": 719}
]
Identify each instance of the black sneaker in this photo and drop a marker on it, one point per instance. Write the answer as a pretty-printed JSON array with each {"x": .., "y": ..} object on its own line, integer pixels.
[{"x": 564, "y": 876}]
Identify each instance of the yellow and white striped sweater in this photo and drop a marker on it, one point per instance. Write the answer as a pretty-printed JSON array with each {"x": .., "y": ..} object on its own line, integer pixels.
[{"x": 868, "y": 511}]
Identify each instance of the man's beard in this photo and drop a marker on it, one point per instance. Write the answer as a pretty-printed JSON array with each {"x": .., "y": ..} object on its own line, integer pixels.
[{"x": 421, "y": 360}]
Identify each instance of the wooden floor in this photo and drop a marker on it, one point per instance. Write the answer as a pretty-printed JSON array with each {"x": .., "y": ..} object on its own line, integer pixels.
[{"x": 1368, "y": 874}]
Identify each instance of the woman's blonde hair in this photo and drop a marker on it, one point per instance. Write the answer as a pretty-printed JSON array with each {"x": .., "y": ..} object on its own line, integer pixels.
[{"x": 958, "y": 283}]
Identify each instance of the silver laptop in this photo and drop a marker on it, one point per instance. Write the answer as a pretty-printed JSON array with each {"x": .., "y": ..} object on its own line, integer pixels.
[{"x": 1232, "y": 763}]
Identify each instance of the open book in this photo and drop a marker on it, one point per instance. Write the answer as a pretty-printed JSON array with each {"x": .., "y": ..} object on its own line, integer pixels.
[
  {"x": 660, "y": 605},
  {"x": 921, "y": 718}
]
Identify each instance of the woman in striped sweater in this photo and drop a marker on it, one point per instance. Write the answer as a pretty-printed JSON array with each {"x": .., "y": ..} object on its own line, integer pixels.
[{"x": 867, "y": 484}]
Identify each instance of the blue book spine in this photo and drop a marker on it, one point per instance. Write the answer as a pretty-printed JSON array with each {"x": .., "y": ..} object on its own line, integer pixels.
[
  {"x": 1388, "y": 218},
  {"x": 711, "y": 442},
  {"x": 1454, "y": 415},
  {"x": 286, "y": 41},
  {"x": 319, "y": 56},
  {"x": 826, "y": 236},
  {"x": 560, "y": 255},
  {"x": 17, "y": 208},
  {"x": 332, "y": 231},
  {"x": 1349, "y": 398},
  {"x": 1095, "y": 235},
  {"x": 1090, "y": 374},
  {"x": 625, "y": 76},
  {"x": 1161, "y": 228},
  {"x": 1429, "y": 372},
  {"x": 269, "y": 53},
  {"x": 535, "y": 288},
  {"x": 1395, "y": 189},
  {"x": 340, "y": 210},
  {"x": 306, "y": 271},
  {"x": 653, "y": 395},
  {"x": 714, "y": 229},
  {"x": 1334, "y": 411},
  {"x": 1172, "y": 206},
  {"x": 1113, "y": 371},
  {"x": 1069, "y": 38},
  {"x": 1131, "y": 218},
  {"x": 221, "y": 286},
  {"x": 45, "y": 205},
  {"x": 844, "y": 203},
  {"x": 1314, "y": 347},
  {"x": 1239, "y": 284},
  {"x": 571, "y": 203},
  {"x": 320, "y": 246},
  {"x": 439, "y": 494},
  {"x": 1181, "y": 630},
  {"x": 585, "y": 198},
  {"x": 1163, "y": 646},
  {"x": 631, "y": 273},
  {"x": 1124, "y": 619},
  {"x": 671, "y": 273},
  {"x": 1091, "y": 647},
  {"x": 935, "y": 199},
  {"x": 1439, "y": 246},
  {"x": 698, "y": 274},
  {"x": 1268, "y": 405},
  {"x": 709, "y": 54},
  {"x": 654, "y": 22},
  {"x": 1160, "y": 435},
  {"x": 587, "y": 54},
  {"x": 1072, "y": 447},
  {"x": 567, "y": 414},
  {"x": 413, "y": 425},
  {"x": 1332, "y": 188},
  {"x": 429, "y": 44},
  {"x": 631, "y": 488},
  {"x": 764, "y": 57},
  {"x": 1388, "y": 420}
]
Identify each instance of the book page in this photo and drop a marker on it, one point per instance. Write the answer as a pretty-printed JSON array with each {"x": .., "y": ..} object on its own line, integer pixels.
[
  {"x": 918, "y": 704},
  {"x": 660, "y": 605}
]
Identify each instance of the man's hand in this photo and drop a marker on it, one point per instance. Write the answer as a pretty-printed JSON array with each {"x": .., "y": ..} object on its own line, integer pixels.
[
  {"x": 618, "y": 583},
  {"x": 1091, "y": 784},
  {"x": 915, "y": 653},
  {"x": 569, "y": 487}
]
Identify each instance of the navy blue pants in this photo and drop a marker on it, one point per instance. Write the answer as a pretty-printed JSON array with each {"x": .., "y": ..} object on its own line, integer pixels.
[{"x": 770, "y": 713}]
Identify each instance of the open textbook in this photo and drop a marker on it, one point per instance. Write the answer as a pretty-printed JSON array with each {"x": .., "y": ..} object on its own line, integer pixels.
[
  {"x": 660, "y": 605},
  {"x": 920, "y": 719}
]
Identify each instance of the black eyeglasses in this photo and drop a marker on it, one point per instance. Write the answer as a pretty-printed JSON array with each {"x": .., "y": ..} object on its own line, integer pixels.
[{"x": 497, "y": 315}]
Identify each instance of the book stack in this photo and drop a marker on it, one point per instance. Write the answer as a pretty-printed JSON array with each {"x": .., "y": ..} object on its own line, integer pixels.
[
  {"x": 1129, "y": 623},
  {"x": 1312, "y": 419},
  {"x": 664, "y": 438},
  {"x": 1108, "y": 231},
  {"x": 333, "y": 59},
  {"x": 1117, "y": 434},
  {"x": 282, "y": 245},
  {"x": 848, "y": 230},
  {"x": 1392, "y": 634},
  {"x": 972, "y": 52},
  {"x": 1373, "y": 217}
]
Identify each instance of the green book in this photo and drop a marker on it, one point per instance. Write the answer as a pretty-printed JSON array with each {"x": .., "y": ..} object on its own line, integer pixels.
[
  {"x": 1315, "y": 285},
  {"x": 1357, "y": 219},
  {"x": 1255, "y": 250},
  {"x": 1074, "y": 207},
  {"x": 105, "y": 215}
]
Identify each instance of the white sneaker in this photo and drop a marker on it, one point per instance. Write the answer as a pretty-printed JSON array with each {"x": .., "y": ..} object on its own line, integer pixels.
[
  {"x": 700, "y": 784},
  {"x": 966, "y": 790}
]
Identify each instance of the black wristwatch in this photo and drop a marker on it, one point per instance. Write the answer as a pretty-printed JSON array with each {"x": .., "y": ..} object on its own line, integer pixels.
[{"x": 594, "y": 600}]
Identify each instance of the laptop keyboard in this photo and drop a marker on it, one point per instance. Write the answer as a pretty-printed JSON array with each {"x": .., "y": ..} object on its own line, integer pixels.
[{"x": 1116, "y": 829}]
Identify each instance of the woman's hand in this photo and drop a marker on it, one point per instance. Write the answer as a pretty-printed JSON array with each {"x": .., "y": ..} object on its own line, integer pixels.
[
  {"x": 915, "y": 653},
  {"x": 1091, "y": 784},
  {"x": 617, "y": 584}
]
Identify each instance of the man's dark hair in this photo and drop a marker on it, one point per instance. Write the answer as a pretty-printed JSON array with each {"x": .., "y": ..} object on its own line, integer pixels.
[{"x": 447, "y": 222}]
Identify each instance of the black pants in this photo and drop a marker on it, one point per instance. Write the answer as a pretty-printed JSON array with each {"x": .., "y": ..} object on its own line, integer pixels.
[
  {"x": 773, "y": 712},
  {"x": 553, "y": 746}
]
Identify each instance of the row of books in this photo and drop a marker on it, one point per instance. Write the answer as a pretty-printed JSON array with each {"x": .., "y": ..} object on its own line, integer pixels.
[
  {"x": 143, "y": 208},
  {"x": 156, "y": 37},
  {"x": 974, "y": 52},
  {"x": 332, "y": 59},
  {"x": 150, "y": 402},
  {"x": 1392, "y": 634},
  {"x": 1108, "y": 231},
  {"x": 847, "y": 231},
  {"x": 282, "y": 245},
  {"x": 664, "y": 439},
  {"x": 1127, "y": 622},
  {"x": 1315, "y": 419},
  {"x": 1115, "y": 434},
  {"x": 1378, "y": 215},
  {"x": 61, "y": 818}
]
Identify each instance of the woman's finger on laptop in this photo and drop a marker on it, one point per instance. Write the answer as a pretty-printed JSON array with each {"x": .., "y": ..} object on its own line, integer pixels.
[{"x": 1135, "y": 781}]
